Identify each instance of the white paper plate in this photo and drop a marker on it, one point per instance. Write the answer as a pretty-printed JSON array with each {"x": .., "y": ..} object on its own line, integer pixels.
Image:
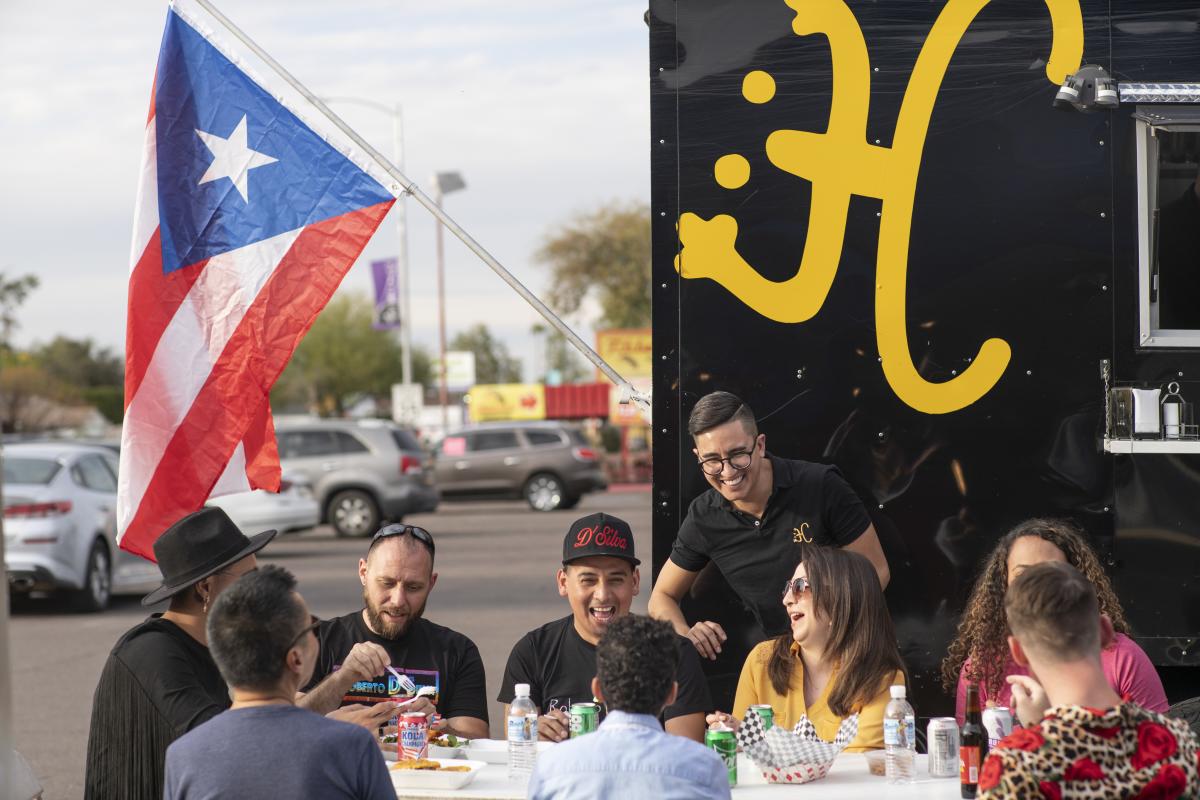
[
  {"x": 436, "y": 751},
  {"x": 495, "y": 751},
  {"x": 436, "y": 779}
]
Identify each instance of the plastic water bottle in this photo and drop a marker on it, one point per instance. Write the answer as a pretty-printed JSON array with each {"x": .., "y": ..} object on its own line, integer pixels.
[
  {"x": 900, "y": 738},
  {"x": 522, "y": 734}
]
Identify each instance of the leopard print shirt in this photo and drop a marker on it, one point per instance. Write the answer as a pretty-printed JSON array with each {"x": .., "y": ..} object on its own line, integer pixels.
[{"x": 1088, "y": 754}]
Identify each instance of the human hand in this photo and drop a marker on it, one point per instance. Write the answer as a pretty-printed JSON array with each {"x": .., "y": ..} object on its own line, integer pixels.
[
  {"x": 707, "y": 637},
  {"x": 365, "y": 660},
  {"x": 365, "y": 716},
  {"x": 1029, "y": 699},
  {"x": 721, "y": 719},
  {"x": 554, "y": 726}
]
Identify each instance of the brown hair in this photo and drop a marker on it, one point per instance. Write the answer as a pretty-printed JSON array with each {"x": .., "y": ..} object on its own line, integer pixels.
[
  {"x": 717, "y": 408},
  {"x": 983, "y": 629},
  {"x": 1053, "y": 612},
  {"x": 862, "y": 640}
]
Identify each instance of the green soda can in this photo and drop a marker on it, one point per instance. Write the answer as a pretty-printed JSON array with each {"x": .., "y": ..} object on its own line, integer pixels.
[
  {"x": 584, "y": 718},
  {"x": 766, "y": 714},
  {"x": 724, "y": 741}
]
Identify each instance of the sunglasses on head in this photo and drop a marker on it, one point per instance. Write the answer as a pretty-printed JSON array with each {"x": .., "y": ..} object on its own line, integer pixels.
[
  {"x": 796, "y": 586},
  {"x": 399, "y": 529}
]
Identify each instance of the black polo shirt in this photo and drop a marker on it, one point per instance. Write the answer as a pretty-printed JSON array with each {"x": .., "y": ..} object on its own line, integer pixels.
[
  {"x": 809, "y": 504},
  {"x": 559, "y": 666}
]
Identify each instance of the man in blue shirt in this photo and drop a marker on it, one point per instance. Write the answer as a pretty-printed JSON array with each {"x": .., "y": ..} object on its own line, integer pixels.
[
  {"x": 263, "y": 639},
  {"x": 630, "y": 755}
]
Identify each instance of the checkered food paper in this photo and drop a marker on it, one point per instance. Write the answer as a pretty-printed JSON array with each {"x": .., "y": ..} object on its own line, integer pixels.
[{"x": 795, "y": 756}]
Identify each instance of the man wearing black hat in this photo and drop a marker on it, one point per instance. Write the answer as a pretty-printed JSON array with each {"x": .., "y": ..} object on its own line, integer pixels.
[
  {"x": 599, "y": 578},
  {"x": 160, "y": 681}
]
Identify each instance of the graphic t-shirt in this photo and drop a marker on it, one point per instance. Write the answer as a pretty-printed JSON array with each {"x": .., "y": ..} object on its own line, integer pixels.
[
  {"x": 559, "y": 666},
  {"x": 427, "y": 655},
  {"x": 809, "y": 504}
]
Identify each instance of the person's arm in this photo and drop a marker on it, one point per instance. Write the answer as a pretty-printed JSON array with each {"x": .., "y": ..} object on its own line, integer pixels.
[
  {"x": 174, "y": 683},
  {"x": 673, "y": 583},
  {"x": 867, "y": 544},
  {"x": 364, "y": 661},
  {"x": 689, "y": 726},
  {"x": 748, "y": 692},
  {"x": 1131, "y": 674}
]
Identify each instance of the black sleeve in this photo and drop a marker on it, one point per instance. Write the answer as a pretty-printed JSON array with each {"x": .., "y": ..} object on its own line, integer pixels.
[
  {"x": 690, "y": 551},
  {"x": 468, "y": 686},
  {"x": 693, "y": 696},
  {"x": 843, "y": 512},
  {"x": 171, "y": 678},
  {"x": 521, "y": 668}
]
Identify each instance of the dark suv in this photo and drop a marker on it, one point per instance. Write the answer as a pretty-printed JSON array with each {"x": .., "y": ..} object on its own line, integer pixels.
[
  {"x": 550, "y": 464},
  {"x": 362, "y": 472}
]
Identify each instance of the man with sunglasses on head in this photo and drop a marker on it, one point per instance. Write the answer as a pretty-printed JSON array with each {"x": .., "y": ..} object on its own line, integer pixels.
[
  {"x": 387, "y": 652},
  {"x": 261, "y": 635},
  {"x": 753, "y": 520}
]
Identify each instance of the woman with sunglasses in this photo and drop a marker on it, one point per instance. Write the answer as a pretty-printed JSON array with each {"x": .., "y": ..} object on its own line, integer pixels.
[{"x": 839, "y": 657}]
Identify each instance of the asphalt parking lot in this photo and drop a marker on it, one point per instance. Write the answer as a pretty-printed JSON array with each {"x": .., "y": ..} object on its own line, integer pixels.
[{"x": 496, "y": 563}]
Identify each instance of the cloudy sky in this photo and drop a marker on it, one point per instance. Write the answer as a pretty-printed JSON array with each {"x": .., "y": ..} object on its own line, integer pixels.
[{"x": 542, "y": 105}]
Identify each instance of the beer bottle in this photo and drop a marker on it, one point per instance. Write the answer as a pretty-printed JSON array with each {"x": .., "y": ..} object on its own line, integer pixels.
[{"x": 973, "y": 744}]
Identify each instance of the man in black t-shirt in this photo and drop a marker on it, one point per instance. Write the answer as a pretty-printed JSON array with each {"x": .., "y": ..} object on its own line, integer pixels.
[
  {"x": 411, "y": 661},
  {"x": 753, "y": 520},
  {"x": 599, "y": 578}
]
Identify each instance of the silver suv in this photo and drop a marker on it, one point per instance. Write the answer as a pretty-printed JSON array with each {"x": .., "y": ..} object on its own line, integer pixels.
[
  {"x": 362, "y": 472},
  {"x": 550, "y": 464}
]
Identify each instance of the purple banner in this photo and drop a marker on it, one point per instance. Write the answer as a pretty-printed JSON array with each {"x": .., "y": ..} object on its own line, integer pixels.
[{"x": 387, "y": 294}]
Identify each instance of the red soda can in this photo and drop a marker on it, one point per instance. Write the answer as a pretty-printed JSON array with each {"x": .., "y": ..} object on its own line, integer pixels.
[{"x": 413, "y": 735}]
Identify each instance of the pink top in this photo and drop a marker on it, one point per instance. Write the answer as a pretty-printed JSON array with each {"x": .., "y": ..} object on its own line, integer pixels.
[{"x": 1126, "y": 666}]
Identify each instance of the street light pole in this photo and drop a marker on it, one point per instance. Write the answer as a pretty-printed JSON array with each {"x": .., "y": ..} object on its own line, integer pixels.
[
  {"x": 443, "y": 184},
  {"x": 401, "y": 213}
]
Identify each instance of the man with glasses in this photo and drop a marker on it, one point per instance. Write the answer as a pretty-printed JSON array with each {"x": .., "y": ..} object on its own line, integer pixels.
[
  {"x": 599, "y": 577},
  {"x": 751, "y": 523},
  {"x": 262, "y": 638},
  {"x": 398, "y": 656}
]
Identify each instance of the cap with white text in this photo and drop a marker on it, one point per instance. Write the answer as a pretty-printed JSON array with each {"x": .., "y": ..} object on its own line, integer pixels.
[{"x": 599, "y": 534}]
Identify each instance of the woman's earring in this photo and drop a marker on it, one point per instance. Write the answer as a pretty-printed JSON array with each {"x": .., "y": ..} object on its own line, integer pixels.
[{"x": 206, "y": 605}]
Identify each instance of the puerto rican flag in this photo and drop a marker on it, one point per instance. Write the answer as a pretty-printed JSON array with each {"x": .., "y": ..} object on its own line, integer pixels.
[{"x": 246, "y": 222}]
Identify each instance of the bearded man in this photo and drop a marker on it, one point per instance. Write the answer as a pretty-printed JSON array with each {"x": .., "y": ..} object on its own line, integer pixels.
[{"x": 413, "y": 662}]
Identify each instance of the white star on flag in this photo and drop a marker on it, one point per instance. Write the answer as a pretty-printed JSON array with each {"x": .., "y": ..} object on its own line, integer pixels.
[{"x": 232, "y": 158}]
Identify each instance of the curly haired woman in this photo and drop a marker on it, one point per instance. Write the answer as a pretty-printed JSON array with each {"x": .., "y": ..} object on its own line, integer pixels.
[{"x": 980, "y": 652}]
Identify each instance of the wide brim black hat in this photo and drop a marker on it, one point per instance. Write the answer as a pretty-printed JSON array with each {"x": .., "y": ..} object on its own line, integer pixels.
[{"x": 197, "y": 546}]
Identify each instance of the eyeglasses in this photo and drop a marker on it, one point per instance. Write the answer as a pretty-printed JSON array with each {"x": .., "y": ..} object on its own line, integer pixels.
[
  {"x": 739, "y": 461},
  {"x": 420, "y": 534},
  {"x": 312, "y": 626},
  {"x": 796, "y": 586}
]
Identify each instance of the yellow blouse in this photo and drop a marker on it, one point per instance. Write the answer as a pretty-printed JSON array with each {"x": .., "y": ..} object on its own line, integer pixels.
[{"x": 754, "y": 688}]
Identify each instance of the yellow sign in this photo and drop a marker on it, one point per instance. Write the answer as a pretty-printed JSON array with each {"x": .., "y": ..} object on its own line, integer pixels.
[
  {"x": 840, "y": 162},
  {"x": 503, "y": 401},
  {"x": 628, "y": 350}
]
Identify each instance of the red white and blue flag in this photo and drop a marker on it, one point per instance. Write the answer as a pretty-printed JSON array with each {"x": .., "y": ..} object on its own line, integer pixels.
[{"x": 247, "y": 220}]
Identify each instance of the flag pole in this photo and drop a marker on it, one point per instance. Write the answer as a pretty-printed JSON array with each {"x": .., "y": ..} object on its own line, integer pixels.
[{"x": 629, "y": 394}]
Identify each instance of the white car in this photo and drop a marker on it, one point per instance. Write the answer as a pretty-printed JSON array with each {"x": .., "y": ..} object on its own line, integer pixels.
[
  {"x": 60, "y": 525},
  {"x": 294, "y": 508}
]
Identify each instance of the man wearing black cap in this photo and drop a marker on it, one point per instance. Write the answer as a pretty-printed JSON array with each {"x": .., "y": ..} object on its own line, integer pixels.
[
  {"x": 160, "y": 681},
  {"x": 599, "y": 578}
]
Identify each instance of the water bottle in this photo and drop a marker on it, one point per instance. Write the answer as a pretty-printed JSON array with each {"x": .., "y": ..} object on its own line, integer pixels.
[
  {"x": 522, "y": 734},
  {"x": 900, "y": 737}
]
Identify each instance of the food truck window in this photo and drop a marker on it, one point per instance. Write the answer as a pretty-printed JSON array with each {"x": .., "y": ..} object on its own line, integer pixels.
[{"x": 1168, "y": 141}]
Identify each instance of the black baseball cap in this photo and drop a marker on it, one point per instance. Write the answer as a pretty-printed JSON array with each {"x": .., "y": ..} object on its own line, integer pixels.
[{"x": 599, "y": 534}]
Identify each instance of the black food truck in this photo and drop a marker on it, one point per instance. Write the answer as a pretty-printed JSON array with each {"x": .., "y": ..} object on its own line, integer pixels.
[{"x": 871, "y": 222}]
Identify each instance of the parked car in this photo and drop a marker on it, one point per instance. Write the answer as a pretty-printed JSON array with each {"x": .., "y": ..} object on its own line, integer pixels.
[
  {"x": 550, "y": 464},
  {"x": 362, "y": 472},
  {"x": 60, "y": 503},
  {"x": 294, "y": 508}
]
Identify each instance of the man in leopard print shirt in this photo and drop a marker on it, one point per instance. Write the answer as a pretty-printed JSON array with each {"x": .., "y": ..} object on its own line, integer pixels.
[{"x": 1089, "y": 743}]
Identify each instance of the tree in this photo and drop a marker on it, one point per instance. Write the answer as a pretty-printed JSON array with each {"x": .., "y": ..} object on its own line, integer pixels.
[
  {"x": 80, "y": 362},
  {"x": 28, "y": 395},
  {"x": 12, "y": 294},
  {"x": 343, "y": 358},
  {"x": 493, "y": 363},
  {"x": 605, "y": 253}
]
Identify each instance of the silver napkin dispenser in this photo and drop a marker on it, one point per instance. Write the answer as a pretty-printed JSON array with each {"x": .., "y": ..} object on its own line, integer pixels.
[{"x": 1146, "y": 420}]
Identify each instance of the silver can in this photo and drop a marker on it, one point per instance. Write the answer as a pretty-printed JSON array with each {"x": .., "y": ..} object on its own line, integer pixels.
[
  {"x": 942, "y": 742},
  {"x": 998, "y": 722}
]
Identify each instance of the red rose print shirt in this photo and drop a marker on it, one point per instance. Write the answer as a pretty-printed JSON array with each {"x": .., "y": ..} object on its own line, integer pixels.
[{"x": 1077, "y": 752}]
